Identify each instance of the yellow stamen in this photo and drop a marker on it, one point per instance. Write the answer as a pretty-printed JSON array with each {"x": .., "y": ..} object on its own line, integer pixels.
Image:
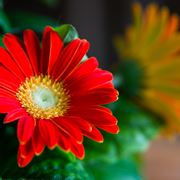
[{"x": 43, "y": 98}]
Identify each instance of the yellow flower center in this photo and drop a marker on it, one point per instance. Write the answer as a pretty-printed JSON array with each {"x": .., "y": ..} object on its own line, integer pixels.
[{"x": 43, "y": 98}]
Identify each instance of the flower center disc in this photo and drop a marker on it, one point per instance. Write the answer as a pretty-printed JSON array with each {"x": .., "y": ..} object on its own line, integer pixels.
[{"x": 43, "y": 98}]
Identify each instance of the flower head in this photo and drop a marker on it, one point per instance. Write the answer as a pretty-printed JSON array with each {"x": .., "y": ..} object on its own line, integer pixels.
[
  {"x": 152, "y": 41},
  {"x": 56, "y": 98}
]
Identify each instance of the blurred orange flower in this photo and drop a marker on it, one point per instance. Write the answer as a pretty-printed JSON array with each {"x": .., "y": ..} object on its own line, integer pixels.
[{"x": 153, "y": 41}]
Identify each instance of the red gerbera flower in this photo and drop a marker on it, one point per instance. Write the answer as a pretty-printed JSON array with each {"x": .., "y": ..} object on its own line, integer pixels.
[{"x": 55, "y": 98}]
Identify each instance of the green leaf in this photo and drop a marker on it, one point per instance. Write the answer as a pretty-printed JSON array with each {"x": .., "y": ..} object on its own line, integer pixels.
[
  {"x": 128, "y": 78},
  {"x": 50, "y": 165},
  {"x": 21, "y": 20},
  {"x": 138, "y": 127},
  {"x": 107, "y": 151},
  {"x": 123, "y": 169},
  {"x": 56, "y": 167},
  {"x": 67, "y": 32},
  {"x": 4, "y": 21}
]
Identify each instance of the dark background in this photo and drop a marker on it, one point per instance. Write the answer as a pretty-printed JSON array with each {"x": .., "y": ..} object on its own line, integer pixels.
[{"x": 96, "y": 20}]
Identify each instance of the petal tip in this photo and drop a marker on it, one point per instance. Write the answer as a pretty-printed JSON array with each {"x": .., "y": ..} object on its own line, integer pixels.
[
  {"x": 118, "y": 130},
  {"x": 82, "y": 157},
  {"x": 101, "y": 141}
]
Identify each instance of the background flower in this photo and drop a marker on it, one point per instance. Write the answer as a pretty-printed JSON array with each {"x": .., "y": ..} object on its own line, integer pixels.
[{"x": 151, "y": 46}]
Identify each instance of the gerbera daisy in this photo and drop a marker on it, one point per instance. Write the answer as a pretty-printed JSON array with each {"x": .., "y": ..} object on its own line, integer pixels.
[
  {"x": 55, "y": 98},
  {"x": 152, "y": 42}
]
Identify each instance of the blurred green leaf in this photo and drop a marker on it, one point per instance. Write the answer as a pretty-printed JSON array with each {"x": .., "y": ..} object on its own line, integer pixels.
[
  {"x": 4, "y": 21},
  {"x": 138, "y": 127},
  {"x": 107, "y": 151},
  {"x": 50, "y": 165},
  {"x": 128, "y": 77},
  {"x": 21, "y": 20},
  {"x": 123, "y": 169},
  {"x": 67, "y": 32},
  {"x": 54, "y": 166}
]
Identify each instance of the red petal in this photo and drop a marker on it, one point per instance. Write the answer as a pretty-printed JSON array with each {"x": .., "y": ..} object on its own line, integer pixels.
[
  {"x": 114, "y": 129},
  {"x": 84, "y": 46},
  {"x": 26, "y": 148},
  {"x": 48, "y": 132},
  {"x": 94, "y": 135},
  {"x": 108, "y": 86},
  {"x": 45, "y": 50},
  {"x": 69, "y": 58},
  {"x": 90, "y": 81},
  {"x": 8, "y": 62},
  {"x": 56, "y": 45},
  {"x": 24, "y": 161},
  {"x": 79, "y": 123},
  {"x": 25, "y": 154},
  {"x": 65, "y": 57},
  {"x": 8, "y": 104},
  {"x": 37, "y": 141},
  {"x": 82, "y": 70},
  {"x": 96, "y": 116},
  {"x": 77, "y": 149},
  {"x": 16, "y": 50},
  {"x": 33, "y": 48},
  {"x": 8, "y": 80},
  {"x": 4, "y": 85},
  {"x": 25, "y": 129},
  {"x": 63, "y": 141},
  {"x": 6, "y": 93},
  {"x": 72, "y": 131},
  {"x": 95, "y": 97},
  {"x": 15, "y": 115}
]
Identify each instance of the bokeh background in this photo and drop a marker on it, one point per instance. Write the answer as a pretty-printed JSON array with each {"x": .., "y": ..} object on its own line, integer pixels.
[{"x": 144, "y": 154}]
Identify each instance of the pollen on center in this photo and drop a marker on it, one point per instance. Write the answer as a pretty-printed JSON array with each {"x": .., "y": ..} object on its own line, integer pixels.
[{"x": 43, "y": 98}]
